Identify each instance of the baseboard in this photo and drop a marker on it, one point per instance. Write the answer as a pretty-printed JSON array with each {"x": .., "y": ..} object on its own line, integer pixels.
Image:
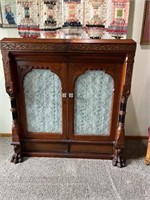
[
  {"x": 129, "y": 137},
  {"x": 5, "y": 134}
]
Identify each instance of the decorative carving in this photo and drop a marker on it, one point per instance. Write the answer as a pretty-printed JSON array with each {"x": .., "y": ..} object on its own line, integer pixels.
[
  {"x": 67, "y": 47},
  {"x": 7, "y": 73},
  {"x": 22, "y": 71},
  {"x": 122, "y": 113},
  {"x": 28, "y": 46},
  {"x": 118, "y": 158},
  {"x": 102, "y": 47},
  {"x": 17, "y": 156},
  {"x": 130, "y": 61}
]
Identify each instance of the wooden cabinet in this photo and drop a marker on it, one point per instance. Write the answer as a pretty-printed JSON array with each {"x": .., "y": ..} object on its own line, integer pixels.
[{"x": 68, "y": 97}]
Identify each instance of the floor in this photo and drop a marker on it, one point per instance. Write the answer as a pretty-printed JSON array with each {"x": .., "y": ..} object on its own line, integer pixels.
[
  {"x": 5, "y": 148},
  {"x": 74, "y": 179}
]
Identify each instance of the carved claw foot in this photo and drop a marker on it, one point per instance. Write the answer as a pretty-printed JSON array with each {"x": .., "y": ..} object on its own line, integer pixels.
[
  {"x": 17, "y": 156},
  {"x": 118, "y": 160}
]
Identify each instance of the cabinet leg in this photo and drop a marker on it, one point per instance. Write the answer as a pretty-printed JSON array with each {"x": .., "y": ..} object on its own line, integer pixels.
[
  {"x": 17, "y": 156},
  {"x": 118, "y": 159}
]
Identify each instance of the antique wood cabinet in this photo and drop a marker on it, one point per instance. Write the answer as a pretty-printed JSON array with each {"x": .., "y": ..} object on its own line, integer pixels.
[{"x": 68, "y": 97}]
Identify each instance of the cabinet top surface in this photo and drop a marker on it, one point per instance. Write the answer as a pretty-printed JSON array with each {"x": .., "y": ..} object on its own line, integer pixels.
[{"x": 90, "y": 41}]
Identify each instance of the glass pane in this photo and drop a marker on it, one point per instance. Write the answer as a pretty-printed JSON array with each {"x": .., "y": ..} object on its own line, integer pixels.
[
  {"x": 93, "y": 97},
  {"x": 42, "y": 90}
]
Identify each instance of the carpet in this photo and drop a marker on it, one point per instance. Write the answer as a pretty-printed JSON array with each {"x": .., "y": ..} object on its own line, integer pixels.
[{"x": 73, "y": 179}]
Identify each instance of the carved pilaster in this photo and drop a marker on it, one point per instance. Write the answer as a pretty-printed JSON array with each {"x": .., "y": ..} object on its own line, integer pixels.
[
  {"x": 11, "y": 90},
  {"x": 129, "y": 61},
  {"x": 7, "y": 73},
  {"x": 17, "y": 156},
  {"x": 119, "y": 143}
]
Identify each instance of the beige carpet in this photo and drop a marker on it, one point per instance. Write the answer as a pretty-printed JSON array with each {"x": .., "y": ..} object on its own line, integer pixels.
[{"x": 74, "y": 179}]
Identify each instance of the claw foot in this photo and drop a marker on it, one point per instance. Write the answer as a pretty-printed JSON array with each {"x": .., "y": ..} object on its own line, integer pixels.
[
  {"x": 17, "y": 156},
  {"x": 118, "y": 159}
]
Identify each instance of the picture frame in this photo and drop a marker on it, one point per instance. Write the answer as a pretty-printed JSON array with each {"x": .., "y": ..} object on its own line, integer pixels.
[
  {"x": 8, "y": 13},
  {"x": 145, "y": 36}
]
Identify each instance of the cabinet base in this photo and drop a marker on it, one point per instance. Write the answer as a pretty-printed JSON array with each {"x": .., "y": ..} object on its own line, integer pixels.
[{"x": 103, "y": 150}]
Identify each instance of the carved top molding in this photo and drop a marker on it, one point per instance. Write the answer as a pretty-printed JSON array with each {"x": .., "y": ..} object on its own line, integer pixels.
[
  {"x": 33, "y": 47},
  {"x": 68, "y": 45},
  {"x": 103, "y": 47}
]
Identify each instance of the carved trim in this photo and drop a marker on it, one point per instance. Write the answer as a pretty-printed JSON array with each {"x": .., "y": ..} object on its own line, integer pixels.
[
  {"x": 102, "y": 47},
  {"x": 34, "y": 46},
  {"x": 67, "y": 47},
  {"x": 24, "y": 69}
]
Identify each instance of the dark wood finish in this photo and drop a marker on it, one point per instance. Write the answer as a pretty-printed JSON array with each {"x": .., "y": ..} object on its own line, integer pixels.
[{"x": 68, "y": 59}]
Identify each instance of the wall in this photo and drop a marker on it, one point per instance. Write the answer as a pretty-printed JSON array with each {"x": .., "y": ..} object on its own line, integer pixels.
[
  {"x": 138, "y": 109},
  {"x": 5, "y": 114}
]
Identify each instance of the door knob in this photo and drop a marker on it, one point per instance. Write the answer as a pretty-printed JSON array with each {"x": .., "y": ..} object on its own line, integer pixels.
[
  {"x": 70, "y": 95},
  {"x": 64, "y": 95}
]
